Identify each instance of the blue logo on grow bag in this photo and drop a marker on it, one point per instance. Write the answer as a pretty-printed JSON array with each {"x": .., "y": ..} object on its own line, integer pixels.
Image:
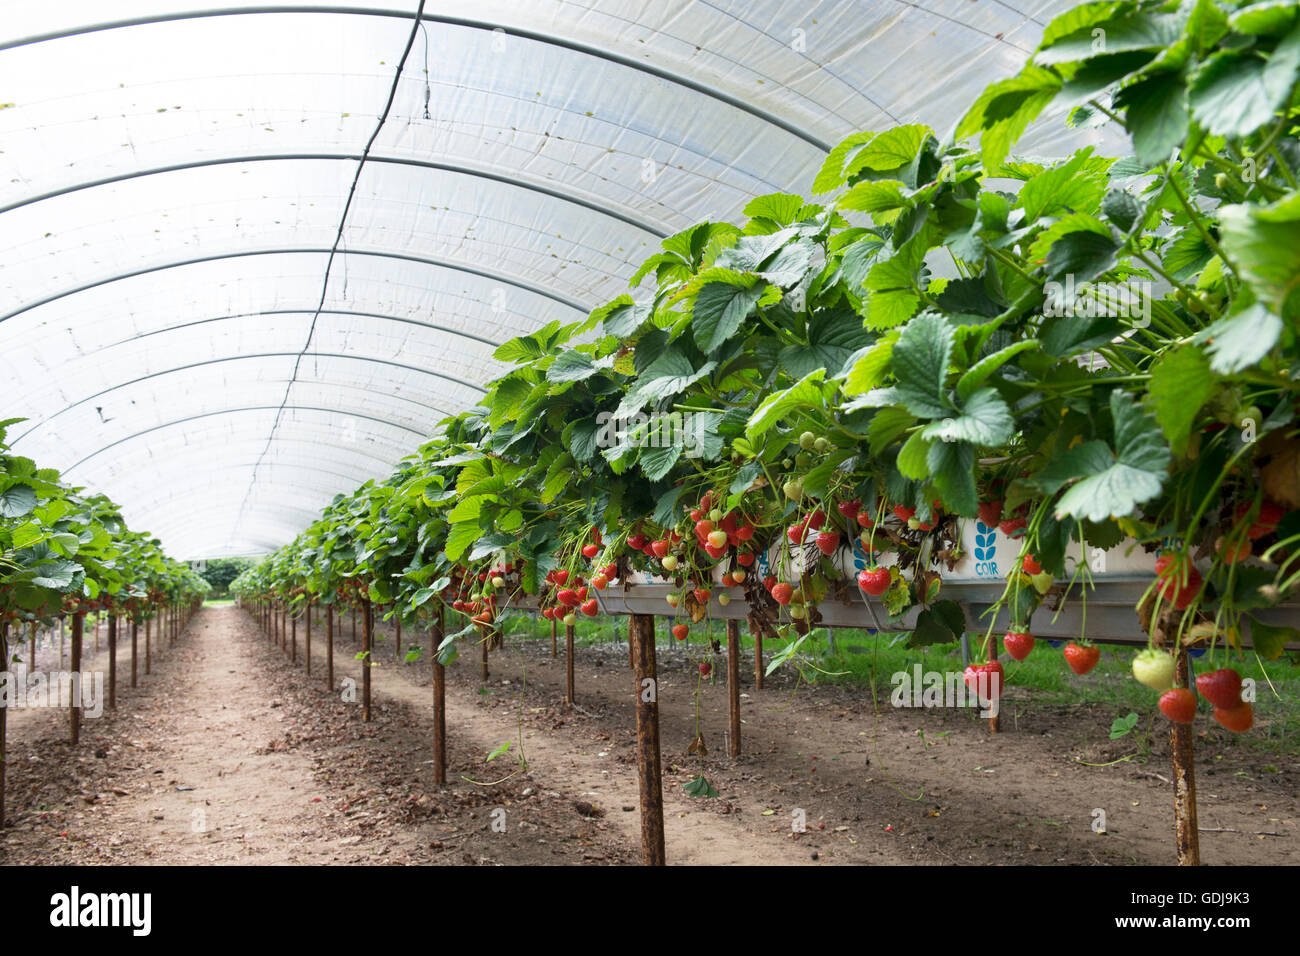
[
  {"x": 985, "y": 548},
  {"x": 762, "y": 563},
  {"x": 860, "y": 555}
]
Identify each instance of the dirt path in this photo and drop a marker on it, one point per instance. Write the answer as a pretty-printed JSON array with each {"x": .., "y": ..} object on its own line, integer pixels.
[
  {"x": 229, "y": 753},
  {"x": 224, "y": 755}
]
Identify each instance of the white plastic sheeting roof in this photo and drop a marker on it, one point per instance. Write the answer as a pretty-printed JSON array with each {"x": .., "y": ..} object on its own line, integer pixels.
[{"x": 249, "y": 255}]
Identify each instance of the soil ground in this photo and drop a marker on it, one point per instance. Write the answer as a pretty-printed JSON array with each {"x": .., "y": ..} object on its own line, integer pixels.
[{"x": 229, "y": 753}]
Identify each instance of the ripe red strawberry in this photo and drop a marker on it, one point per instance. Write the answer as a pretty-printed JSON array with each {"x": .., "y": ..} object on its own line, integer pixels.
[
  {"x": 705, "y": 668},
  {"x": 1238, "y": 719},
  {"x": 985, "y": 680},
  {"x": 828, "y": 542},
  {"x": 990, "y": 512},
  {"x": 1270, "y": 513},
  {"x": 1179, "y": 705},
  {"x": 817, "y": 519},
  {"x": 610, "y": 571},
  {"x": 1031, "y": 565},
  {"x": 796, "y": 533},
  {"x": 561, "y": 577},
  {"x": 590, "y": 550},
  {"x": 590, "y": 608},
  {"x": 850, "y": 509},
  {"x": 1222, "y": 688},
  {"x": 713, "y": 552},
  {"x": 701, "y": 595},
  {"x": 703, "y": 528},
  {"x": 745, "y": 532},
  {"x": 600, "y": 582},
  {"x": 745, "y": 558},
  {"x": 680, "y": 631},
  {"x": 1180, "y": 582},
  {"x": 568, "y": 597},
  {"x": 581, "y": 593},
  {"x": 782, "y": 592},
  {"x": 1018, "y": 644},
  {"x": 1082, "y": 657},
  {"x": 769, "y": 582},
  {"x": 875, "y": 581},
  {"x": 904, "y": 513},
  {"x": 865, "y": 519},
  {"x": 637, "y": 541},
  {"x": 659, "y": 547},
  {"x": 1011, "y": 526}
]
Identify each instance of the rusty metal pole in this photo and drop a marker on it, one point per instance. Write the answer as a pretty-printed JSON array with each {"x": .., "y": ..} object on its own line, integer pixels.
[
  {"x": 284, "y": 627},
  {"x": 112, "y": 662},
  {"x": 991, "y": 654},
  {"x": 329, "y": 645},
  {"x": 135, "y": 648},
  {"x": 307, "y": 638},
  {"x": 569, "y": 630},
  {"x": 74, "y": 718},
  {"x": 1186, "y": 834},
  {"x": 641, "y": 629},
  {"x": 4, "y": 717},
  {"x": 733, "y": 686},
  {"x": 436, "y": 636},
  {"x": 368, "y": 626},
  {"x": 148, "y": 651}
]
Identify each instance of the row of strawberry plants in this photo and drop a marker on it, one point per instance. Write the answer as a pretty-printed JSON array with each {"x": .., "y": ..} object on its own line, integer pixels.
[
  {"x": 63, "y": 551},
  {"x": 1085, "y": 353}
]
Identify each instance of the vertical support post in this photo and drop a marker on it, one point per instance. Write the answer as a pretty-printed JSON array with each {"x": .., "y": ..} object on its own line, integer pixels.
[
  {"x": 484, "y": 637},
  {"x": 31, "y": 663},
  {"x": 293, "y": 639},
  {"x": 569, "y": 630},
  {"x": 367, "y": 626},
  {"x": 758, "y": 655},
  {"x": 329, "y": 645},
  {"x": 98, "y": 617},
  {"x": 436, "y": 636},
  {"x": 74, "y": 712},
  {"x": 284, "y": 627},
  {"x": 990, "y": 655},
  {"x": 554, "y": 628},
  {"x": 1186, "y": 834},
  {"x": 112, "y": 662},
  {"x": 135, "y": 648},
  {"x": 4, "y": 716},
  {"x": 641, "y": 629},
  {"x": 62, "y": 635},
  {"x": 354, "y": 623},
  {"x": 733, "y": 686},
  {"x": 308, "y": 637},
  {"x": 148, "y": 651}
]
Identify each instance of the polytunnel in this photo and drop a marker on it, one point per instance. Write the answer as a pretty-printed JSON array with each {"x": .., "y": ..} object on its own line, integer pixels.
[{"x": 250, "y": 255}]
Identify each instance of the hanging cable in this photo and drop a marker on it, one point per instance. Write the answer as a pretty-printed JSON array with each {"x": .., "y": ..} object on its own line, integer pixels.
[{"x": 333, "y": 254}]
